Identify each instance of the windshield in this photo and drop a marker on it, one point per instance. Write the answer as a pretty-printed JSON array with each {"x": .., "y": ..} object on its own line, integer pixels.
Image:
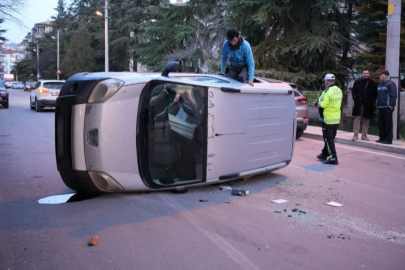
[{"x": 174, "y": 135}]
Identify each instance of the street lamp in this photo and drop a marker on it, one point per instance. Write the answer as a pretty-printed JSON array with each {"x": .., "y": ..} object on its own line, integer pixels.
[
  {"x": 98, "y": 13},
  {"x": 57, "y": 55}
]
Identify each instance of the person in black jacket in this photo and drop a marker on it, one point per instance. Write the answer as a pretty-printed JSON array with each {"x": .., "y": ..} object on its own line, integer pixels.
[
  {"x": 387, "y": 99},
  {"x": 364, "y": 96}
]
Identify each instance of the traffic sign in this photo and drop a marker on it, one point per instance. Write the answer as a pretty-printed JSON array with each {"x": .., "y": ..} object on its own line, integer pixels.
[
  {"x": 59, "y": 72},
  {"x": 38, "y": 75}
]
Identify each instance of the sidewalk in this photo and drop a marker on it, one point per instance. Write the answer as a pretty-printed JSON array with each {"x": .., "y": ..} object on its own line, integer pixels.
[{"x": 345, "y": 137}]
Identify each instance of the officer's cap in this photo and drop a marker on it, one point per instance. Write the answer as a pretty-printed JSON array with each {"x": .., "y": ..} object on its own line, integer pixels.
[{"x": 329, "y": 77}]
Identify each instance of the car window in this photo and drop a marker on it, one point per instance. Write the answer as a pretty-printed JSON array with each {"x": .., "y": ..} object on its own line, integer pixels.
[
  {"x": 53, "y": 85},
  {"x": 37, "y": 85},
  {"x": 175, "y": 132},
  {"x": 204, "y": 79}
]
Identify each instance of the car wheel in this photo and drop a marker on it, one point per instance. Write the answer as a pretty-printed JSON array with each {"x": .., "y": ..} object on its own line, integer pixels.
[
  {"x": 37, "y": 107},
  {"x": 299, "y": 133},
  {"x": 31, "y": 106},
  {"x": 5, "y": 105}
]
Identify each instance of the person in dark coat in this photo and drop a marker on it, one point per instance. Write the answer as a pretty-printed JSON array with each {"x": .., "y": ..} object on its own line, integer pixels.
[{"x": 364, "y": 96}]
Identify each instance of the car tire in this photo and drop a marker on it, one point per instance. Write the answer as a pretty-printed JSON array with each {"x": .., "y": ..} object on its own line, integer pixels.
[
  {"x": 31, "y": 106},
  {"x": 299, "y": 133},
  {"x": 37, "y": 107},
  {"x": 5, "y": 105}
]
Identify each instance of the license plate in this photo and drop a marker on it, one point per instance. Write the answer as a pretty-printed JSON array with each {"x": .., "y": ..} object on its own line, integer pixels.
[{"x": 55, "y": 93}]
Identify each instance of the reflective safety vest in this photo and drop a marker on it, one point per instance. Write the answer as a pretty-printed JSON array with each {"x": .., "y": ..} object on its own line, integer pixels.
[{"x": 331, "y": 102}]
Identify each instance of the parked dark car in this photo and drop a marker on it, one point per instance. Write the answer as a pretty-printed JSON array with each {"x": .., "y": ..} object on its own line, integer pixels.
[
  {"x": 29, "y": 86},
  {"x": 3, "y": 95}
]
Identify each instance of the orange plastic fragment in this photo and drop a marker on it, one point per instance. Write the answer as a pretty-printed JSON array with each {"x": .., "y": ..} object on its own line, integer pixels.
[
  {"x": 247, "y": 178},
  {"x": 94, "y": 241}
]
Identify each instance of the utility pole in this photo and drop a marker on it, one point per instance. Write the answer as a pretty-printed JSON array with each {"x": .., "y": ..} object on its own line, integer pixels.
[
  {"x": 57, "y": 58},
  {"x": 392, "y": 52},
  {"x": 106, "y": 35}
]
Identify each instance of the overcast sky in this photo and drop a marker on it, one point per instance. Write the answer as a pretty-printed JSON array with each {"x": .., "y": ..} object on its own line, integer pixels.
[{"x": 35, "y": 11}]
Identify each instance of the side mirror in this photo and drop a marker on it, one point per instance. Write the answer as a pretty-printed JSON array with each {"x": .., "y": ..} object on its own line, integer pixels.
[{"x": 172, "y": 66}]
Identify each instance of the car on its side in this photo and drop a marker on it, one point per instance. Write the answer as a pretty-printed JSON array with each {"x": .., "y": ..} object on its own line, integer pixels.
[
  {"x": 300, "y": 104},
  {"x": 126, "y": 131},
  {"x": 44, "y": 94},
  {"x": 3, "y": 95}
]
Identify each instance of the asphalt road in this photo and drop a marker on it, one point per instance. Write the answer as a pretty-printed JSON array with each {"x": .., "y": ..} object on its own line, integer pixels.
[{"x": 162, "y": 230}]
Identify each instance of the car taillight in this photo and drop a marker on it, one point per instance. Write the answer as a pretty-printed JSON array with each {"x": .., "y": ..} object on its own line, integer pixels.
[
  {"x": 305, "y": 117},
  {"x": 42, "y": 91},
  {"x": 302, "y": 99}
]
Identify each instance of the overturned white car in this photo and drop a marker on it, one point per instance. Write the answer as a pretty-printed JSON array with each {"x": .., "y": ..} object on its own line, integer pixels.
[{"x": 118, "y": 132}]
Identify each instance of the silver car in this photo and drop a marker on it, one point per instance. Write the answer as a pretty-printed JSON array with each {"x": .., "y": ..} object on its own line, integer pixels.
[
  {"x": 300, "y": 104},
  {"x": 118, "y": 132},
  {"x": 44, "y": 94}
]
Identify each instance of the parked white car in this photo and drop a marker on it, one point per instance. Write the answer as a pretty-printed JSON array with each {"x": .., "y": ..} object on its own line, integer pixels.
[{"x": 44, "y": 94}]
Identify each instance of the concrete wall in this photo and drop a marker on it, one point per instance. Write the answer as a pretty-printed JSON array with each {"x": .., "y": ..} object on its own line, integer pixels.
[{"x": 348, "y": 104}]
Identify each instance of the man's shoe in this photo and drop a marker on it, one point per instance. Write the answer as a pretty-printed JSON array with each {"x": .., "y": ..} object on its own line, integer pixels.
[
  {"x": 379, "y": 141},
  {"x": 322, "y": 157},
  {"x": 331, "y": 161},
  {"x": 385, "y": 142},
  {"x": 364, "y": 138},
  {"x": 355, "y": 137}
]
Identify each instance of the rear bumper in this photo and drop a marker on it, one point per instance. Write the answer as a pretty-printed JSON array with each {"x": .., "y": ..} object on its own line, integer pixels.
[{"x": 47, "y": 103}]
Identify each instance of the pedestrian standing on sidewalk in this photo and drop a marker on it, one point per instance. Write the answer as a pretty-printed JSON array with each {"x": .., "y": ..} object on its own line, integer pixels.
[
  {"x": 329, "y": 105},
  {"x": 386, "y": 101},
  {"x": 364, "y": 96}
]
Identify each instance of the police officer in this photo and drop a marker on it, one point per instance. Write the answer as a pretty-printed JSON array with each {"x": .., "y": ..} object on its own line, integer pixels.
[{"x": 329, "y": 105}]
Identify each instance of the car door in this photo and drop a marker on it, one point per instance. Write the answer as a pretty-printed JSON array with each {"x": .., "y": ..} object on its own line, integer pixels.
[
  {"x": 34, "y": 91},
  {"x": 172, "y": 138},
  {"x": 249, "y": 129}
]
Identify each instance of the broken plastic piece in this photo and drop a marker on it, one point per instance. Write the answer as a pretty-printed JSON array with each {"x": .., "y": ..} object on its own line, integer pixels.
[
  {"x": 279, "y": 212},
  {"x": 279, "y": 201},
  {"x": 295, "y": 210},
  {"x": 203, "y": 200},
  {"x": 334, "y": 204},
  {"x": 302, "y": 212},
  {"x": 240, "y": 192},
  {"x": 225, "y": 188},
  {"x": 94, "y": 240}
]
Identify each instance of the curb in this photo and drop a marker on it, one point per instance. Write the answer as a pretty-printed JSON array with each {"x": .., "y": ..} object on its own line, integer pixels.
[{"x": 375, "y": 146}]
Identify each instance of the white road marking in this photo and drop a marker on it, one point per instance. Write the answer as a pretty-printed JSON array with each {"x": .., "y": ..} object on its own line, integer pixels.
[
  {"x": 357, "y": 149},
  {"x": 231, "y": 251}
]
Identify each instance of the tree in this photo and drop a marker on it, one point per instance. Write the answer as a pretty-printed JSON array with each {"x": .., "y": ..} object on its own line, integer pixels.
[
  {"x": 10, "y": 8},
  {"x": 373, "y": 35},
  {"x": 79, "y": 54},
  {"x": 2, "y": 31},
  {"x": 192, "y": 34},
  {"x": 299, "y": 40}
]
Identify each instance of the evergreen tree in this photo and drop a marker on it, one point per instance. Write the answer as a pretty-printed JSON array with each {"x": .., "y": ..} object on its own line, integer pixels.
[
  {"x": 192, "y": 34},
  {"x": 78, "y": 57},
  {"x": 2, "y": 31},
  {"x": 372, "y": 35},
  {"x": 296, "y": 40}
]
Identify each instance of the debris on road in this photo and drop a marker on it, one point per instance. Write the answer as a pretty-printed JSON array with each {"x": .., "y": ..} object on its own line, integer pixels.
[
  {"x": 278, "y": 212},
  {"x": 203, "y": 200},
  {"x": 94, "y": 240},
  {"x": 294, "y": 210},
  {"x": 225, "y": 187},
  {"x": 332, "y": 203},
  {"x": 227, "y": 201},
  {"x": 289, "y": 215},
  {"x": 240, "y": 192},
  {"x": 285, "y": 210},
  {"x": 330, "y": 236},
  {"x": 302, "y": 212},
  {"x": 279, "y": 201}
]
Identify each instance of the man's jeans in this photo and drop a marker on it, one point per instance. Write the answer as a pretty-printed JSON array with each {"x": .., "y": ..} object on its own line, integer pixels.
[
  {"x": 365, "y": 125},
  {"x": 238, "y": 73}
]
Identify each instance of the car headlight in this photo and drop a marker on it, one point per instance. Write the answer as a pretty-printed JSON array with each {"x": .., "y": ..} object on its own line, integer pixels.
[{"x": 105, "y": 90}]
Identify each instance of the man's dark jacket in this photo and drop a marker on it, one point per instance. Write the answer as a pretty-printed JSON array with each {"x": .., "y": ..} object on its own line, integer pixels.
[{"x": 365, "y": 96}]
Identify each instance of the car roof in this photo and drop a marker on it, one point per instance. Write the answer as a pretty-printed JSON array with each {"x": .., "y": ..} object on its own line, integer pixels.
[{"x": 217, "y": 81}]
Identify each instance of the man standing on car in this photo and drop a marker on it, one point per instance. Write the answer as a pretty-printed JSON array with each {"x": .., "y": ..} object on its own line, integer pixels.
[
  {"x": 329, "y": 105},
  {"x": 364, "y": 95},
  {"x": 242, "y": 64},
  {"x": 387, "y": 98}
]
